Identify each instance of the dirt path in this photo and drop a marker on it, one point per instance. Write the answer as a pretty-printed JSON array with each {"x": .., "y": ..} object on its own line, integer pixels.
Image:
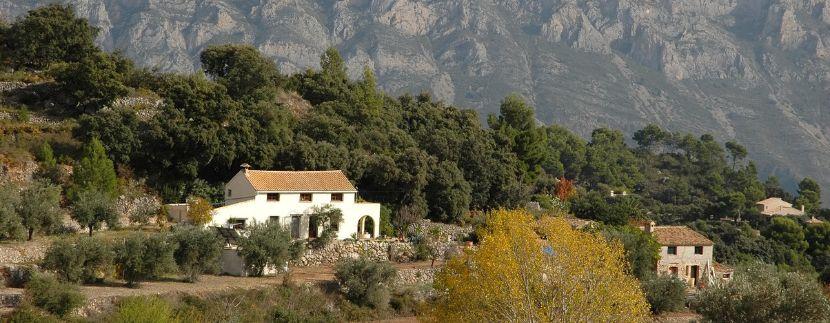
[{"x": 208, "y": 284}]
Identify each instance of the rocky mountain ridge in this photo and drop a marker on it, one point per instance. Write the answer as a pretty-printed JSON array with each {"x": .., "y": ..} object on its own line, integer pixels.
[{"x": 755, "y": 71}]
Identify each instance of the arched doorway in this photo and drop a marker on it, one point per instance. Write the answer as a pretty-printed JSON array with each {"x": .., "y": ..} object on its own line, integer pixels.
[{"x": 366, "y": 227}]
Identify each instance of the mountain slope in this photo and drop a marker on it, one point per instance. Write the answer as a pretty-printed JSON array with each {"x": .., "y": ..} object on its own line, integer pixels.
[{"x": 755, "y": 71}]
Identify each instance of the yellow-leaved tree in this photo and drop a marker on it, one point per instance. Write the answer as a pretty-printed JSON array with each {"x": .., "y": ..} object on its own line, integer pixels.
[
  {"x": 545, "y": 271},
  {"x": 199, "y": 210}
]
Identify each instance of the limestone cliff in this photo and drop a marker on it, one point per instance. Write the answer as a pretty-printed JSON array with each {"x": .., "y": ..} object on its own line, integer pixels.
[{"x": 751, "y": 70}]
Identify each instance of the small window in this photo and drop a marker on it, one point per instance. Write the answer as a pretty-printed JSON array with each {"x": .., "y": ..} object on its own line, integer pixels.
[
  {"x": 230, "y": 193},
  {"x": 726, "y": 276},
  {"x": 337, "y": 197},
  {"x": 273, "y": 197},
  {"x": 698, "y": 250},
  {"x": 274, "y": 219},
  {"x": 305, "y": 197},
  {"x": 238, "y": 224},
  {"x": 673, "y": 271},
  {"x": 672, "y": 250}
]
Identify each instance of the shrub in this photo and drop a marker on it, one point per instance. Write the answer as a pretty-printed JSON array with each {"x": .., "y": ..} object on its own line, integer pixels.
[
  {"x": 20, "y": 276},
  {"x": 282, "y": 314},
  {"x": 28, "y": 314},
  {"x": 283, "y": 303},
  {"x": 267, "y": 244},
  {"x": 22, "y": 115},
  {"x": 326, "y": 217},
  {"x": 641, "y": 250},
  {"x": 86, "y": 260},
  {"x": 10, "y": 222},
  {"x": 664, "y": 293},
  {"x": 761, "y": 293},
  {"x": 366, "y": 283},
  {"x": 405, "y": 302},
  {"x": 197, "y": 251},
  {"x": 64, "y": 259},
  {"x": 140, "y": 257},
  {"x": 53, "y": 296},
  {"x": 143, "y": 309}
]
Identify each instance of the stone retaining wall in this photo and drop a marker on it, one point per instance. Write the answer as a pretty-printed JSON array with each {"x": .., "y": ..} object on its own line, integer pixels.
[
  {"x": 450, "y": 231},
  {"x": 416, "y": 276},
  {"x": 23, "y": 253},
  {"x": 378, "y": 250},
  {"x": 11, "y": 86}
]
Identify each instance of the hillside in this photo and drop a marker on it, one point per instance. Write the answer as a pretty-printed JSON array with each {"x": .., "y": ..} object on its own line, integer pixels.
[
  {"x": 753, "y": 71},
  {"x": 91, "y": 140}
]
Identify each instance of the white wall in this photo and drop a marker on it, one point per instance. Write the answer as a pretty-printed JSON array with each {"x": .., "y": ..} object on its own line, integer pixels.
[
  {"x": 240, "y": 188},
  {"x": 259, "y": 210}
]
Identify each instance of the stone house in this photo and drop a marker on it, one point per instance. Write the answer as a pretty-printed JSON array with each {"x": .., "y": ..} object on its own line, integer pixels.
[
  {"x": 290, "y": 198},
  {"x": 687, "y": 254},
  {"x": 776, "y": 206}
]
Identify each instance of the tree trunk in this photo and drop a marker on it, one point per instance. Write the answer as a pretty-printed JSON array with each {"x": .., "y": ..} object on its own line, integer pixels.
[
  {"x": 90, "y": 230},
  {"x": 31, "y": 231}
]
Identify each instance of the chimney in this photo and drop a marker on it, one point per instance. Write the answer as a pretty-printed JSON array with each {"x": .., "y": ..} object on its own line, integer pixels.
[
  {"x": 650, "y": 227},
  {"x": 625, "y": 193},
  {"x": 245, "y": 167}
]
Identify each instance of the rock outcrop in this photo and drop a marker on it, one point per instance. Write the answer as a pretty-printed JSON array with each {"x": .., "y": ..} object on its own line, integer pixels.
[{"x": 755, "y": 71}]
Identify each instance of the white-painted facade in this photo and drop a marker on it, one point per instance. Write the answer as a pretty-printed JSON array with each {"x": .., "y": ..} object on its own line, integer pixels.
[{"x": 246, "y": 205}]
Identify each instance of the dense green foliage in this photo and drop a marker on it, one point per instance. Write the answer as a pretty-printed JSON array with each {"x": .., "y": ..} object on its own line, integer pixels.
[
  {"x": 142, "y": 257},
  {"x": 48, "y": 35},
  {"x": 55, "y": 297},
  {"x": 664, "y": 293},
  {"x": 197, "y": 251},
  {"x": 641, "y": 251},
  {"x": 94, "y": 172},
  {"x": 267, "y": 245},
  {"x": 39, "y": 207},
  {"x": 366, "y": 282},
  {"x": 83, "y": 261},
  {"x": 416, "y": 155},
  {"x": 10, "y": 223},
  {"x": 93, "y": 208},
  {"x": 328, "y": 220},
  {"x": 143, "y": 309},
  {"x": 760, "y": 293},
  {"x": 137, "y": 257}
]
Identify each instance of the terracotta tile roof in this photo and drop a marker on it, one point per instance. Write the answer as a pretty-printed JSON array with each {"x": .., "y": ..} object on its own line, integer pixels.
[
  {"x": 679, "y": 236},
  {"x": 300, "y": 181}
]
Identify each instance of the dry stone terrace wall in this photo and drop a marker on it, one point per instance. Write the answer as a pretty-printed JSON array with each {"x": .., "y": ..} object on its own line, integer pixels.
[
  {"x": 452, "y": 232},
  {"x": 377, "y": 250},
  {"x": 29, "y": 252},
  {"x": 11, "y": 86}
]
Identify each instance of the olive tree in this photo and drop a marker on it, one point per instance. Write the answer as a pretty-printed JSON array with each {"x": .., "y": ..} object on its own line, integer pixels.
[
  {"x": 197, "y": 251},
  {"x": 39, "y": 207},
  {"x": 267, "y": 244},
  {"x": 762, "y": 293}
]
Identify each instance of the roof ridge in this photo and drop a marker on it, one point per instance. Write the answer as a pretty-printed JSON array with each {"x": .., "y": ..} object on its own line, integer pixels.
[{"x": 296, "y": 171}]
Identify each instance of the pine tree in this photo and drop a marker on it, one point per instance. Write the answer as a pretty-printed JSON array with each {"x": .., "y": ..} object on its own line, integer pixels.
[{"x": 95, "y": 172}]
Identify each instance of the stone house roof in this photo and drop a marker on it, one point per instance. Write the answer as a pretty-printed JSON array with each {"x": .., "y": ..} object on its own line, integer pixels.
[
  {"x": 679, "y": 236},
  {"x": 299, "y": 181}
]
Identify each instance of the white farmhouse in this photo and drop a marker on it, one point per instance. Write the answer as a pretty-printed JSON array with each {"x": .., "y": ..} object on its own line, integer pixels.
[
  {"x": 290, "y": 197},
  {"x": 777, "y": 206}
]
